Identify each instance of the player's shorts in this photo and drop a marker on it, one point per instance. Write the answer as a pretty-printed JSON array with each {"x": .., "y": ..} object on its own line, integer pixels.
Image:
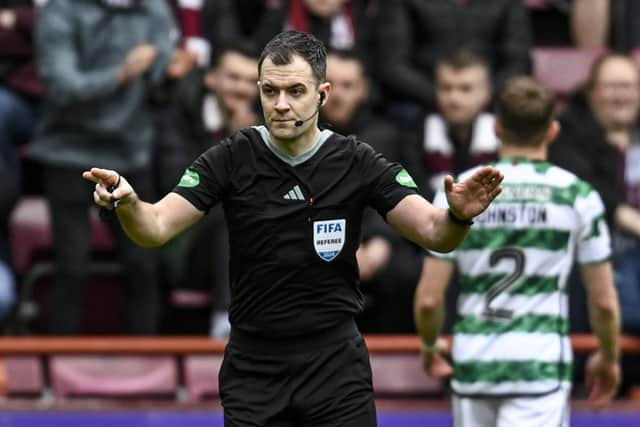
[
  {"x": 320, "y": 380},
  {"x": 549, "y": 410}
]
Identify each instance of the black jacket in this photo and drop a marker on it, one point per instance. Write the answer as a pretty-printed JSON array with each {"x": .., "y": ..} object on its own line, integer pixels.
[
  {"x": 583, "y": 149},
  {"x": 412, "y": 35},
  {"x": 227, "y": 20}
]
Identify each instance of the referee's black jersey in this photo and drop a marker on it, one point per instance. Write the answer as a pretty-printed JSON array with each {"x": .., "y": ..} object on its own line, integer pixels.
[{"x": 294, "y": 225}]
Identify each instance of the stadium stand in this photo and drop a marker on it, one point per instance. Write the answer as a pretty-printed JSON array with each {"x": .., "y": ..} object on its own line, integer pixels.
[
  {"x": 401, "y": 375},
  {"x": 563, "y": 69},
  {"x": 31, "y": 241},
  {"x": 25, "y": 375},
  {"x": 161, "y": 369},
  {"x": 201, "y": 376},
  {"x": 394, "y": 376},
  {"x": 113, "y": 376}
]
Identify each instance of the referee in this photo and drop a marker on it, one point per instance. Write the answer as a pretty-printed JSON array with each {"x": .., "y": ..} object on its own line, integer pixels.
[{"x": 293, "y": 198}]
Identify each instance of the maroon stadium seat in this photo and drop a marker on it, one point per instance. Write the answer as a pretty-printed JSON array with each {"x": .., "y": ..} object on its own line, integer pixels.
[
  {"x": 401, "y": 375},
  {"x": 563, "y": 69},
  {"x": 32, "y": 247},
  {"x": 190, "y": 298},
  {"x": 114, "y": 376},
  {"x": 24, "y": 376},
  {"x": 31, "y": 232},
  {"x": 201, "y": 376}
]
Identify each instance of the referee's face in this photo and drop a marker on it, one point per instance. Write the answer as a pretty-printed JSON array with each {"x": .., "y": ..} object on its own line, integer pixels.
[{"x": 289, "y": 93}]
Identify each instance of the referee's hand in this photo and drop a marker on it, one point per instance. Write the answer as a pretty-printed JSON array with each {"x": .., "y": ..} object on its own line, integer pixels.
[
  {"x": 473, "y": 195},
  {"x": 106, "y": 180}
]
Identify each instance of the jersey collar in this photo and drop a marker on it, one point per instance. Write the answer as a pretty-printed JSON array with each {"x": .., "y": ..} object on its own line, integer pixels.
[{"x": 287, "y": 158}]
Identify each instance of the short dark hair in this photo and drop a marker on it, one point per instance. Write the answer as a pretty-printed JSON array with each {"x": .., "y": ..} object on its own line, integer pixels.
[
  {"x": 244, "y": 47},
  {"x": 525, "y": 110},
  {"x": 350, "y": 55},
  {"x": 281, "y": 49},
  {"x": 462, "y": 59}
]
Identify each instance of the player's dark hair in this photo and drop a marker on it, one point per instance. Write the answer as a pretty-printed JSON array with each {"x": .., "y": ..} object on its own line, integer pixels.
[
  {"x": 525, "y": 110},
  {"x": 243, "y": 47},
  {"x": 282, "y": 48}
]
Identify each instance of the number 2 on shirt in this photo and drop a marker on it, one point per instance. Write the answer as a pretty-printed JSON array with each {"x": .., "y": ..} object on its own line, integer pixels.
[{"x": 504, "y": 284}]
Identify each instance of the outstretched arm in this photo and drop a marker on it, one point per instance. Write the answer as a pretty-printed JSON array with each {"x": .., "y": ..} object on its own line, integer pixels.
[
  {"x": 145, "y": 223},
  {"x": 435, "y": 228},
  {"x": 603, "y": 367}
]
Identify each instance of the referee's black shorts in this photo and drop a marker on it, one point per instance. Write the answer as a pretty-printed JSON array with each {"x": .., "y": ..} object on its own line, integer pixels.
[{"x": 320, "y": 380}]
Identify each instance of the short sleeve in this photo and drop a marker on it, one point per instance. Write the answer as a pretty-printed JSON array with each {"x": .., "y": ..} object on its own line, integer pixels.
[
  {"x": 594, "y": 241},
  {"x": 206, "y": 182},
  {"x": 387, "y": 182}
]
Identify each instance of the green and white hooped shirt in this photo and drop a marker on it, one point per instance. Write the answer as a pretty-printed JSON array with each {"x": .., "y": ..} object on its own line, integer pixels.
[{"x": 512, "y": 337}]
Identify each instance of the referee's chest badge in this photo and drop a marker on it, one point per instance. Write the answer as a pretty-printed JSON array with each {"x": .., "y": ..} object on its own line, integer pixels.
[{"x": 328, "y": 237}]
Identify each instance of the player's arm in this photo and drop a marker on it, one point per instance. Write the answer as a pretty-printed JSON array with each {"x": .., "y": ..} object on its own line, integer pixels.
[
  {"x": 429, "y": 312},
  {"x": 440, "y": 229},
  {"x": 145, "y": 223},
  {"x": 628, "y": 218},
  {"x": 603, "y": 369}
]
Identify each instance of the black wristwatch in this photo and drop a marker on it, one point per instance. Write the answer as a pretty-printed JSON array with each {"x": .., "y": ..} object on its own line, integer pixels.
[{"x": 459, "y": 221}]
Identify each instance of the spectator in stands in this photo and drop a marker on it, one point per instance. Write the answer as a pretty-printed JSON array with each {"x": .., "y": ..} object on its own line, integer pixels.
[
  {"x": 193, "y": 48},
  {"x": 460, "y": 135},
  {"x": 20, "y": 93},
  {"x": 511, "y": 350},
  {"x": 169, "y": 149},
  {"x": 208, "y": 106},
  {"x": 584, "y": 24},
  {"x": 99, "y": 60},
  {"x": 188, "y": 15},
  {"x": 192, "y": 51},
  {"x": 389, "y": 265},
  {"x": 624, "y": 16},
  {"x": 348, "y": 111},
  {"x": 340, "y": 24},
  {"x": 599, "y": 142},
  {"x": 222, "y": 23},
  {"x": 412, "y": 35},
  {"x": 231, "y": 91},
  {"x": 590, "y": 23}
]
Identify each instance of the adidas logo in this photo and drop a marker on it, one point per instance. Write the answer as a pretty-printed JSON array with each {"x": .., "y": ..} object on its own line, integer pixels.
[{"x": 294, "y": 194}]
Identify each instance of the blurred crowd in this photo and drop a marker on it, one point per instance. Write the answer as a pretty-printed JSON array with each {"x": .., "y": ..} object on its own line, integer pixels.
[{"x": 144, "y": 86}]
